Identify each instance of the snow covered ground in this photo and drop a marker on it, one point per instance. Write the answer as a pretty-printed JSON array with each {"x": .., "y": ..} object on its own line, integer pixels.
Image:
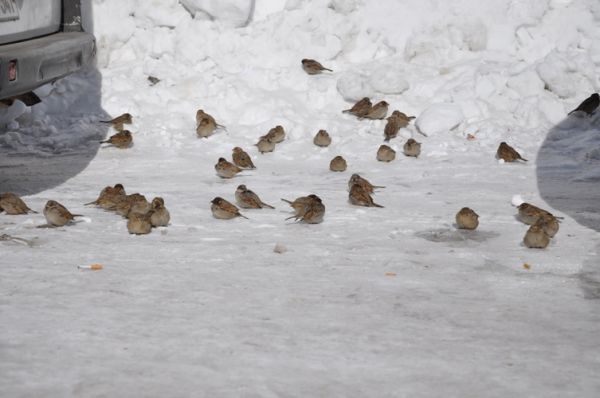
[{"x": 372, "y": 302}]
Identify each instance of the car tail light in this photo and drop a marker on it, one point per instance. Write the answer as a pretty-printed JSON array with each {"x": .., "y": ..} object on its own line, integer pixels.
[{"x": 12, "y": 70}]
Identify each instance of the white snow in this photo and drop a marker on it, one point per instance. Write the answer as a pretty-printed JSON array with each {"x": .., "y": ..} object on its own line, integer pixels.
[{"x": 372, "y": 302}]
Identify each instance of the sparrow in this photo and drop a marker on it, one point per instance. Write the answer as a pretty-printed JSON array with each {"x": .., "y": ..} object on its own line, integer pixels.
[
  {"x": 467, "y": 219},
  {"x": 530, "y": 214},
  {"x": 226, "y": 169},
  {"x": 159, "y": 215},
  {"x": 322, "y": 138},
  {"x": 378, "y": 111},
  {"x": 401, "y": 116},
  {"x": 536, "y": 237},
  {"x": 508, "y": 153},
  {"x": 412, "y": 148},
  {"x": 385, "y": 154},
  {"x": 123, "y": 139},
  {"x": 589, "y": 105},
  {"x": 206, "y": 124},
  {"x": 361, "y": 108},
  {"x": 360, "y": 197},
  {"x": 224, "y": 210},
  {"x": 107, "y": 195},
  {"x": 135, "y": 203},
  {"x": 313, "y": 67},
  {"x": 299, "y": 204},
  {"x": 276, "y": 134},
  {"x": 119, "y": 121},
  {"x": 247, "y": 199},
  {"x": 139, "y": 224},
  {"x": 242, "y": 159},
  {"x": 396, "y": 121},
  {"x": 13, "y": 205},
  {"x": 363, "y": 182},
  {"x": 338, "y": 163},
  {"x": 57, "y": 215},
  {"x": 309, "y": 209},
  {"x": 265, "y": 144}
]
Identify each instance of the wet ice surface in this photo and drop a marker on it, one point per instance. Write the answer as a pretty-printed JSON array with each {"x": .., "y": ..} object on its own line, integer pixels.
[{"x": 372, "y": 302}]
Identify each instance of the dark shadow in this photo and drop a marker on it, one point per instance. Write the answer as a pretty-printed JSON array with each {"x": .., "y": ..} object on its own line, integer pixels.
[
  {"x": 55, "y": 140},
  {"x": 568, "y": 174}
]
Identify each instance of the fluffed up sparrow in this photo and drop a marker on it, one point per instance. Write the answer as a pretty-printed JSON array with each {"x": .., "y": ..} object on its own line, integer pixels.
[
  {"x": 247, "y": 199},
  {"x": 57, "y": 215},
  {"x": 395, "y": 122},
  {"x": 13, "y": 204},
  {"x": 276, "y": 134},
  {"x": 361, "y": 108},
  {"x": 363, "y": 182},
  {"x": 530, "y": 214},
  {"x": 589, "y": 105},
  {"x": 159, "y": 215},
  {"x": 265, "y": 144},
  {"x": 322, "y": 138},
  {"x": 508, "y": 153},
  {"x": 206, "y": 124},
  {"x": 119, "y": 121},
  {"x": 378, "y": 111},
  {"x": 134, "y": 203},
  {"x": 139, "y": 224},
  {"x": 224, "y": 210},
  {"x": 123, "y": 139},
  {"x": 309, "y": 209},
  {"x": 358, "y": 196},
  {"x": 108, "y": 196},
  {"x": 338, "y": 163},
  {"x": 242, "y": 159},
  {"x": 467, "y": 219},
  {"x": 412, "y": 148},
  {"x": 226, "y": 169},
  {"x": 385, "y": 154},
  {"x": 313, "y": 67},
  {"x": 536, "y": 237}
]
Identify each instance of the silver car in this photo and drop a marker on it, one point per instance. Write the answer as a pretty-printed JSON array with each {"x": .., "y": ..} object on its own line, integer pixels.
[{"x": 41, "y": 41}]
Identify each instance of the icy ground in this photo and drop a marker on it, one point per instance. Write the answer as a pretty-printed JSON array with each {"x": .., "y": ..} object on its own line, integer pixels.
[{"x": 390, "y": 302}]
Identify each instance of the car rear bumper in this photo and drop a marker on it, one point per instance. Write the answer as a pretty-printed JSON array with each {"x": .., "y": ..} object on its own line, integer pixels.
[{"x": 43, "y": 60}]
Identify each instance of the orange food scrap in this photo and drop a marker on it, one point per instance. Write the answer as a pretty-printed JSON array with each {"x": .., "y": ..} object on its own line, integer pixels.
[
  {"x": 93, "y": 267},
  {"x": 526, "y": 266},
  {"x": 390, "y": 274}
]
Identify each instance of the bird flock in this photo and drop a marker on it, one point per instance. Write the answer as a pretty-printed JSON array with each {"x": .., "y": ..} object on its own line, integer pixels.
[{"x": 143, "y": 215}]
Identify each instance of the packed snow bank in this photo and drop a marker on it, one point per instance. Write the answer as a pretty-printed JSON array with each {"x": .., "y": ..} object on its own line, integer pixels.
[{"x": 439, "y": 118}]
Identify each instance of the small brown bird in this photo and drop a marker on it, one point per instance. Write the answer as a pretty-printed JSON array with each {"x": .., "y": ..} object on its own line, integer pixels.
[
  {"x": 360, "y": 197},
  {"x": 412, "y": 148},
  {"x": 242, "y": 159},
  {"x": 107, "y": 195},
  {"x": 530, "y": 214},
  {"x": 395, "y": 122},
  {"x": 13, "y": 204},
  {"x": 378, "y": 111},
  {"x": 265, "y": 144},
  {"x": 467, "y": 219},
  {"x": 363, "y": 182},
  {"x": 224, "y": 210},
  {"x": 322, "y": 138},
  {"x": 309, "y": 209},
  {"x": 385, "y": 154},
  {"x": 299, "y": 204},
  {"x": 338, "y": 163},
  {"x": 589, "y": 105},
  {"x": 226, "y": 169},
  {"x": 401, "y": 116},
  {"x": 313, "y": 67},
  {"x": 159, "y": 215},
  {"x": 361, "y": 108},
  {"x": 508, "y": 153},
  {"x": 247, "y": 199},
  {"x": 206, "y": 124},
  {"x": 535, "y": 237},
  {"x": 123, "y": 139},
  {"x": 134, "y": 203},
  {"x": 139, "y": 224},
  {"x": 276, "y": 134},
  {"x": 57, "y": 215},
  {"x": 119, "y": 121}
]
